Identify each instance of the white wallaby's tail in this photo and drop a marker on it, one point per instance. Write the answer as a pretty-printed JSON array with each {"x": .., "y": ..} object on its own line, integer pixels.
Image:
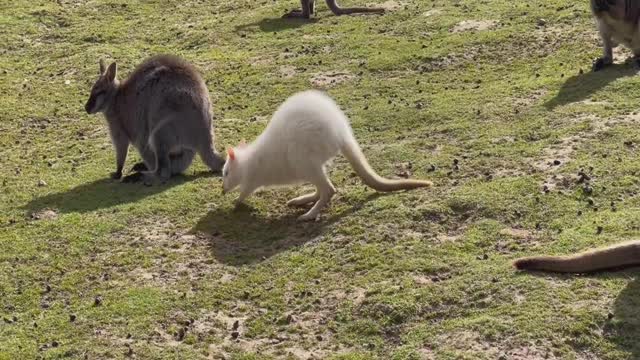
[{"x": 351, "y": 150}]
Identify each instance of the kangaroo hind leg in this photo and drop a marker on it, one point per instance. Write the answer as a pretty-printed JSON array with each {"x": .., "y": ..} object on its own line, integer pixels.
[
  {"x": 305, "y": 12},
  {"x": 325, "y": 191},
  {"x": 304, "y": 199}
]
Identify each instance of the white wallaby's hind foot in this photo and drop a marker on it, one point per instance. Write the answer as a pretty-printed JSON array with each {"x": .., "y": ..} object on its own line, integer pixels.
[
  {"x": 325, "y": 191},
  {"x": 313, "y": 213},
  {"x": 304, "y": 199}
]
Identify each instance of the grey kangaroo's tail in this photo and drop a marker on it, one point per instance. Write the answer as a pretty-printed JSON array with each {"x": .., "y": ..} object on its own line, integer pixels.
[
  {"x": 616, "y": 256},
  {"x": 337, "y": 10}
]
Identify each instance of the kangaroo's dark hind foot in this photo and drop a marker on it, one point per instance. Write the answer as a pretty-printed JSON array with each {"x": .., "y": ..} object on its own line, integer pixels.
[
  {"x": 133, "y": 178},
  {"x": 601, "y": 63}
]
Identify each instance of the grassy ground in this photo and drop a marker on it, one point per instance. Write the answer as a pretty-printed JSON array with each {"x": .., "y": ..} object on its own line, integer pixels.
[{"x": 91, "y": 268}]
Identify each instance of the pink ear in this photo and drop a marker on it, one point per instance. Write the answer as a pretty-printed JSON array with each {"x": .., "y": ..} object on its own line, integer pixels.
[
  {"x": 243, "y": 143},
  {"x": 231, "y": 153}
]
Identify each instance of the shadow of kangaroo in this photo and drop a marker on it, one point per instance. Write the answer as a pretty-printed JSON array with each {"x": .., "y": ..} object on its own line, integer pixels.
[
  {"x": 624, "y": 327},
  {"x": 103, "y": 193},
  {"x": 243, "y": 236},
  {"x": 583, "y": 86},
  {"x": 163, "y": 109}
]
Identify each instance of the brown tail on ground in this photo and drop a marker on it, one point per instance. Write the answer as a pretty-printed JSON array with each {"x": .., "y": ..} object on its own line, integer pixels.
[
  {"x": 616, "y": 256},
  {"x": 337, "y": 10}
]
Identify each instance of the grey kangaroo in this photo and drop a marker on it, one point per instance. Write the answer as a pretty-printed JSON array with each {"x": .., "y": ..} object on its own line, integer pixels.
[
  {"x": 617, "y": 23},
  {"x": 308, "y": 7},
  {"x": 163, "y": 109}
]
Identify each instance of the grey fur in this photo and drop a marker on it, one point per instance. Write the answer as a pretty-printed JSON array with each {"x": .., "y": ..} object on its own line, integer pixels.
[
  {"x": 618, "y": 22},
  {"x": 163, "y": 109},
  {"x": 307, "y": 8}
]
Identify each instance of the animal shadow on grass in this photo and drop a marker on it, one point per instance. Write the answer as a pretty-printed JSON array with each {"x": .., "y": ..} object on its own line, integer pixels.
[
  {"x": 623, "y": 328},
  {"x": 277, "y": 24},
  {"x": 240, "y": 236},
  {"x": 104, "y": 193},
  {"x": 580, "y": 87}
]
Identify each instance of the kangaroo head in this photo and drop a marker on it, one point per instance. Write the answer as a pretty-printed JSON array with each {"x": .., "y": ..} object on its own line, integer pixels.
[
  {"x": 103, "y": 90},
  {"x": 232, "y": 174}
]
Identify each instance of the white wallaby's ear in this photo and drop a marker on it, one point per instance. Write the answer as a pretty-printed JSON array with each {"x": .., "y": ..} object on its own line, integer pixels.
[
  {"x": 103, "y": 67},
  {"x": 242, "y": 143},
  {"x": 231, "y": 154},
  {"x": 112, "y": 71}
]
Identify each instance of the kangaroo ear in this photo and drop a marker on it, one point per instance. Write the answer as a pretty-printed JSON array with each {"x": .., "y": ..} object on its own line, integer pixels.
[
  {"x": 231, "y": 154},
  {"x": 103, "y": 67},
  {"x": 243, "y": 143},
  {"x": 112, "y": 71}
]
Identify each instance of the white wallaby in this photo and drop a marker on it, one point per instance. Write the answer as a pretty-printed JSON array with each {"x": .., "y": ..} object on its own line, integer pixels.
[{"x": 306, "y": 131}]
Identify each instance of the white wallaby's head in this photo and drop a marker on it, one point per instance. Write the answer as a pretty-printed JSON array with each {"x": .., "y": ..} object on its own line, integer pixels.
[
  {"x": 103, "y": 90},
  {"x": 231, "y": 172}
]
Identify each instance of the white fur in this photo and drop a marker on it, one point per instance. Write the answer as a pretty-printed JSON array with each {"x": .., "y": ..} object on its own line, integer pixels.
[{"x": 306, "y": 131}]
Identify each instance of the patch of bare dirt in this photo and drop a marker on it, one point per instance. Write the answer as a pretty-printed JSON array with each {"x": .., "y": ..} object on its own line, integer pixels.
[
  {"x": 621, "y": 54},
  {"x": 261, "y": 61},
  {"x": 553, "y": 32},
  {"x": 44, "y": 214},
  {"x": 432, "y": 12},
  {"x": 329, "y": 79},
  {"x": 474, "y": 25},
  {"x": 287, "y": 71},
  {"x": 469, "y": 341},
  {"x": 515, "y": 239},
  {"x": 516, "y": 233},
  {"x": 559, "y": 182},
  {"x": 302, "y": 334},
  {"x": 179, "y": 257},
  {"x": 422, "y": 279},
  {"x": 504, "y": 52},
  {"x": 555, "y": 156},
  {"x": 506, "y": 173},
  {"x": 443, "y": 238},
  {"x": 390, "y": 5},
  {"x": 594, "y": 103},
  {"x": 531, "y": 98}
]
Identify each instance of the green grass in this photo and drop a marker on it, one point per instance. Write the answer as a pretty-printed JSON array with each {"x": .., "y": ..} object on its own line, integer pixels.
[{"x": 412, "y": 275}]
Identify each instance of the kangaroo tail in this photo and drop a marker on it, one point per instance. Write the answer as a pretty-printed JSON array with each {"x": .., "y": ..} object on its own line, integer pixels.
[
  {"x": 351, "y": 150},
  {"x": 616, "y": 256},
  {"x": 337, "y": 10}
]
